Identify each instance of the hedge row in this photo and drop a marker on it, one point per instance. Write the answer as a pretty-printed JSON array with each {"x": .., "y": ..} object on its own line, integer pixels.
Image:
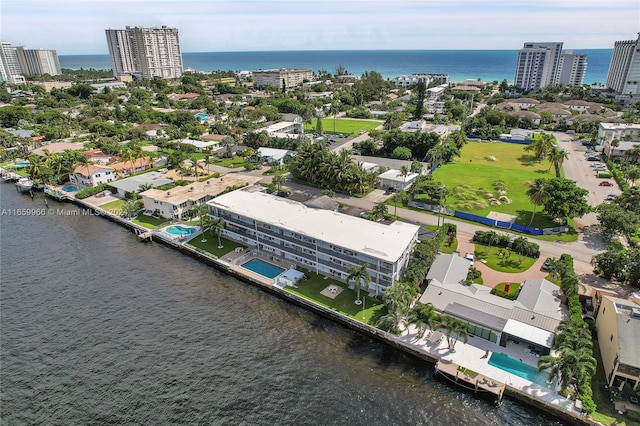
[
  {"x": 91, "y": 190},
  {"x": 492, "y": 238},
  {"x": 616, "y": 173}
]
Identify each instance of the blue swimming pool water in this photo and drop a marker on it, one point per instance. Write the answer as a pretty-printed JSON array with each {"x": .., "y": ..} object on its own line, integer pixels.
[
  {"x": 263, "y": 268},
  {"x": 201, "y": 116},
  {"x": 518, "y": 368},
  {"x": 180, "y": 230},
  {"x": 21, "y": 163},
  {"x": 70, "y": 188}
]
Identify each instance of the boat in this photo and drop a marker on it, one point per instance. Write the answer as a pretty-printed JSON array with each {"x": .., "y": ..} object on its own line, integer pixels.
[
  {"x": 53, "y": 193},
  {"x": 24, "y": 184},
  {"x": 470, "y": 381}
]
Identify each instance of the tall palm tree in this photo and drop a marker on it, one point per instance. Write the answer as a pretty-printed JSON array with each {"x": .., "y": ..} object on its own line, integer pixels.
[
  {"x": 567, "y": 365},
  {"x": 492, "y": 238},
  {"x": 205, "y": 220},
  {"x": 278, "y": 179},
  {"x": 519, "y": 245},
  {"x": 379, "y": 211},
  {"x": 360, "y": 275},
  {"x": 541, "y": 146},
  {"x": 556, "y": 157},
  {"x": 538, "y": 195},
  {"x": 458, "y": 327},
  {"x": 216, "y": 226}
]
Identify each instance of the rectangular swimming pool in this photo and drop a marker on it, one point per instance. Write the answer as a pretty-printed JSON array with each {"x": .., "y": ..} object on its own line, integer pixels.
[
  {"x": 519, "y": 368},
  {"x": 263, "y": 268}
]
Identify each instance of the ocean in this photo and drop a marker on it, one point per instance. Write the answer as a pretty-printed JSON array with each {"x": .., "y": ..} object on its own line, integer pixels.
[
  {"x": 487, "y": 65},
  {"x": 99, "y": 328}
]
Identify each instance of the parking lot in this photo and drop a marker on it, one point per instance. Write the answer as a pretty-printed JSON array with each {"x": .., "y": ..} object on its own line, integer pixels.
[{"x": 579, "y": 169}]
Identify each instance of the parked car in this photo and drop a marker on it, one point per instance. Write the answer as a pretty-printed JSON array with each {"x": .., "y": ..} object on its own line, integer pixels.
[
  {"x": 284, "y": 194},
  {"x": 606, "y": 183},
  {"x": 470, "y": 257},
  {"x": 610, "y": 197},
  {"x": 390, "y": 190},
  {"x": 599, "y": 167},
  {"x": 593, "y": 158},
  {"x": 547, "y": 263}
]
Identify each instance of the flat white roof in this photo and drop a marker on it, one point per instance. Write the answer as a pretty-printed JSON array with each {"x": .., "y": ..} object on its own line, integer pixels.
[
  {"x": 396, "y": 176},
  {"x": 199, "y": 144},
  {"x": 385, "y": 242},
  {"x": 529, "y": 332}
]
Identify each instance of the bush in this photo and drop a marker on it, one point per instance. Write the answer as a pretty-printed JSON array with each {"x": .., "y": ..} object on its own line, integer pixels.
[{"x": 92, "y": 190}]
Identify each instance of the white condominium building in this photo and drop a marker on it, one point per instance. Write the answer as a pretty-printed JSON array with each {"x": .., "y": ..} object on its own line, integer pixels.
[
  {"x": 287, "y": 77},
  {"x": 10, "y": 70},
  {"x": 573, "y": 67},
  {"x": 148, "y": 52},
  {"x": 624, "y": 71},
  {"x": 324, "y": 241},
  {"x": 38, "y": 61},
  {"x": 538, "y": 65}
]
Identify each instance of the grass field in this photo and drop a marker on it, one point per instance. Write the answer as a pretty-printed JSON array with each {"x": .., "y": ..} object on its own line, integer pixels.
[
  {"x": 211, "y": 245},
  {"x": 114, "y": 207},
  {"x": 473, "y": 180},
  {"x": 343, "y": 302},
  {"x": 149, "y": 222},
  {"x": 343, "y": 125}
]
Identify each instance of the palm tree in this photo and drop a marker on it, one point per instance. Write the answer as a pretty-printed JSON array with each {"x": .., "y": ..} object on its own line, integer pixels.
[
  {"x": 556, "y": 157},
  {"x": 216, "y": 226},
  {"x": 631, "y": 173},
  {"x": 519, "y": 245},
  {"x": 82, "y": 160},
  {"x": 457, "y": 326},
  {"x": 541, "y": 146},
  {"x": 205, "y": 220},
  {"x": 379, "y": 211},
  {"x": 278, "y": 179},
  {"x": 130, "y": 208},
  {"x": 567, "y": 365},
  {"x": 424, "y": 315},
  {"x": 359, "y": 274},
  {"x": 538, "y": 195},
  {"x": 492, "y": 238}
]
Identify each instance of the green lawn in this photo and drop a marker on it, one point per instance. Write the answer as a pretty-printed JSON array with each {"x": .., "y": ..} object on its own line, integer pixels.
[
  {"x": 343, "y": 303},
  {"x": 505, "y": 263},
  {"x": 232, "y": 163},
  {"x": 449, "y": 248},
  {"x": 211, "y": 245},
  {"x": 472, "y": 180},
  {"x": 149, "y": 222},
  {"x": 343, "y": 125},
  {"x": 114, "y": 206}
]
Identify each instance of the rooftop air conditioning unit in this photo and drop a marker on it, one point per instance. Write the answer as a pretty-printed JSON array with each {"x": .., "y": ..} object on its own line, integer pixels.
[
  {"x": 191, "y": 189},
  {"x": 168, "y": 193}
]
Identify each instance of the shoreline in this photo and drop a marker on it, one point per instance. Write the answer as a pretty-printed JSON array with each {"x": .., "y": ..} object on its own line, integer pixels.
[{"x": 382, "y": 336}]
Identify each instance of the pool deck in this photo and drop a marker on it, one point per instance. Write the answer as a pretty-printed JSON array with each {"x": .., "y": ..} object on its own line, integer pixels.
[{"x": 473, "y": 355}]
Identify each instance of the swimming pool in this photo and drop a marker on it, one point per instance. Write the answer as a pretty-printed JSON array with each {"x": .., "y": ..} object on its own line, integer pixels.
[
  {"x": 201, "y": 116},
  {"x": 179, "y": 230},
  {"x": 518, "y": 368},
  {"x": 70, "y": 188},
  {"x": 21, "y": 164},
  {"x": 263, "y": 268}
]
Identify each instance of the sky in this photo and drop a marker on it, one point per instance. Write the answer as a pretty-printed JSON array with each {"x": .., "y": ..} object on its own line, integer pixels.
[{"x": 77, "y": 26}]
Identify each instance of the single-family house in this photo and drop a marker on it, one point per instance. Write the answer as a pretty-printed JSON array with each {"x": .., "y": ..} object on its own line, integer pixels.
[
  {"x": 394, "y": 179},
  {"x": 92, "y": 175}
]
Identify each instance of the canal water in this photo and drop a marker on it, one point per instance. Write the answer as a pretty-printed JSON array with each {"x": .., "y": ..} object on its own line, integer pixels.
[{"x": 97, "y": 328}]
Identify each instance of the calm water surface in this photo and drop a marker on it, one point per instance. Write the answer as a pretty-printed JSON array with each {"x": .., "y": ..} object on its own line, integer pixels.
[{"x": 98, "y": 328}]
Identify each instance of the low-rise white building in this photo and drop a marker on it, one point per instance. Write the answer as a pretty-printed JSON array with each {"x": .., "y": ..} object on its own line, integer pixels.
[
  {"x": 325, "y": 241},
  {"x": 176, "y": 202},
  {"x": 201, "y": 146},
  {"x": 284, "y": 129},
  {"x": 274, "y": 155},
  {"x": 625, "y": 135},
  {"x": 92, "y": 175},
  {"x": 394, "y": 179}
]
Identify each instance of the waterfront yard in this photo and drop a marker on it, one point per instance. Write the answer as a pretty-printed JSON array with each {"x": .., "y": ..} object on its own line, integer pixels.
[
  {"x": 114, "y": 207},
  {"x": 343, "y": 303},
  {"x": 473, "y": 179},
  {"x": 150, "y": 222},
  {"x": 211, "y": 245},
  {"x": 343, "y": 125}
]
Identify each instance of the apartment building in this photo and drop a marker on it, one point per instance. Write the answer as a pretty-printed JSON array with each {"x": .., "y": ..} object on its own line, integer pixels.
[
  {"x": 410, "y": 80},
  {"x": 538, "y": 64},
  {"x": 147, "y": 52},
  {"x": 10, "y": 70},
  {"x": 38, "y": 61},
  {"x": 573, "y": 67},
  {"x": 177, "y": 202},
  {"x": 618, "y": 327},
  {"x": 624, "y": 70},
  {"x": 287, "y": 77},
  {"x": 325, "y": 241}
]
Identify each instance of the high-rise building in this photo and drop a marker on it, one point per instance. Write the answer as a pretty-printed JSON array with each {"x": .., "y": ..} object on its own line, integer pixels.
[
  {"x": 38, "y": 61},
  {"x": 624, "y": 71},
  {"x": 538, "y": 65},
  {"x": 10, "y": 70},
  {"x": 573, "y": 67},
  {"x": 147, "y": 52}
]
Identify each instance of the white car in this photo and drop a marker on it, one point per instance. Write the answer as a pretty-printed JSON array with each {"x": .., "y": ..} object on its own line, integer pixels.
[{"x": 470, "y": 257}]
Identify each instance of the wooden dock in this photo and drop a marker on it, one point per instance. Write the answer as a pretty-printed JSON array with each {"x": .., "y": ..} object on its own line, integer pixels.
[
  {"x": 470, "y": 380},
  {"x": 144, "y": 235}
]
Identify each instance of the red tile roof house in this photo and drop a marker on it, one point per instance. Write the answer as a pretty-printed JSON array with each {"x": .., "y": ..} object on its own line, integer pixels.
[
  {"x": 97, "y": 156},
  {"x": 125, "y": 168},
  {"x": 182, "y": 96}
]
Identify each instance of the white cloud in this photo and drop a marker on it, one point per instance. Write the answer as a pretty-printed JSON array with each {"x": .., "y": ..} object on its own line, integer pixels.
[{"x": 78, "y": 26}]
